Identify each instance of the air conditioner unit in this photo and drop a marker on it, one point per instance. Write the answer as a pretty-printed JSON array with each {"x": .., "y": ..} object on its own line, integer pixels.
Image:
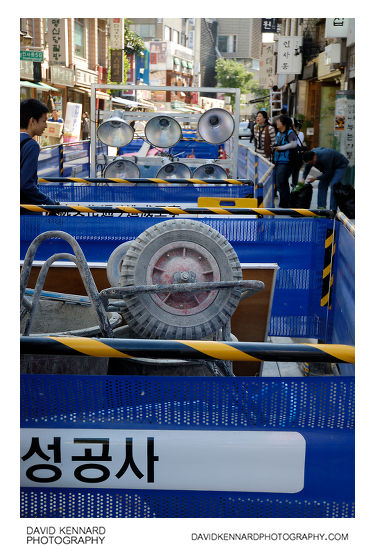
[{"x": 332, "y": 54}]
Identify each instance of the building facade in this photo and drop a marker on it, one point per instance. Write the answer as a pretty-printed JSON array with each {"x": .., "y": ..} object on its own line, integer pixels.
[{"x": 75, "y": 55}]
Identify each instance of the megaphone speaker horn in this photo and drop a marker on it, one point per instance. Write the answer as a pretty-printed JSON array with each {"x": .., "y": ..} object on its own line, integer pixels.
[
  {"x": 163, "y": 131},
  {"x": 216, "y": 125},
  {"x": 115, "y": 131}
]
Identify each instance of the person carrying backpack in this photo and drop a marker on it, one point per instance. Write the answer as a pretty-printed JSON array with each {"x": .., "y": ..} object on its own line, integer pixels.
[
  {"x": 286, "y": 141},
  {"x": 33, "y": 122}
]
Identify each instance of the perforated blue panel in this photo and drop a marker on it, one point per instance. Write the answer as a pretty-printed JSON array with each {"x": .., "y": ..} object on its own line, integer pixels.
[
  {"x": 142, "y": 193},
  {"x": 201, "y": 150},
  {"x": 342, "y": 317},
  {"x": 296, "y": 245},
  {"x": 321, "y": 409}
]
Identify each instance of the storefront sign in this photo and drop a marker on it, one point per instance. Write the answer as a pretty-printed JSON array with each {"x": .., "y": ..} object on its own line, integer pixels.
[
  {"x": 200, "y": 460},
  {"x": 289, "y": 55},
  {"x": 337, "y": 27},
  {"x": 271, "y": 26},
  {"x": 62, "y": 75},
  {"x": 190, "y": 43},
  {"x": 158, "y": 51},
  {"x": 86, "y": 77},
  {"x": 351, "y": 33},
  {"x": 57, "y": 44},
  {"x": 33, "y": 55},
  {"x": 142, "y": 67},
  {"x": 72, "y": 127},
  {"x": 344, "y": 123},
  {"x": 117, "y": 65},
  {"x": 267, "y": 77},
  {"x": 26, "y": 69},
  {"x": 116, "y": 33}
]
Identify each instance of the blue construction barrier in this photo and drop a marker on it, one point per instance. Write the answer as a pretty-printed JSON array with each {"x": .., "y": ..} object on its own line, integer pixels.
[
  {"x": 141, "y": 193},
  {"x": 255, "y": 167},
  {"x": 342, "y": 313},
  {"x": 75, "y": 161},
  {"x": 297, "y": 245},
  {"x": 319, "y": 411}
]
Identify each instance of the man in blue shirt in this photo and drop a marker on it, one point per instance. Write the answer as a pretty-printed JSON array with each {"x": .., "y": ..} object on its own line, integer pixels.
[
  {"x": 55, "y": 117},
  {"x": 332, "y": 165},
  {"x": 33, "y": 123}
]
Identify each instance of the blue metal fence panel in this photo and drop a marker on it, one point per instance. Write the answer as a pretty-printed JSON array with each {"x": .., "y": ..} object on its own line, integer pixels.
[
  {"x": 49, "y": 162},
  {"x": 321, "y": 409},
  {"x": 297, "y": 245},
  {"x": 342, "y": 317},
  {"x": 141, "y": 193},
  {"x": 76, "y": 159}
]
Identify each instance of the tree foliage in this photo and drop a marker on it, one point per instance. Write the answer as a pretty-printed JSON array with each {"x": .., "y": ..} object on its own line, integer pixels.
[{"x": 232, "y": 74}]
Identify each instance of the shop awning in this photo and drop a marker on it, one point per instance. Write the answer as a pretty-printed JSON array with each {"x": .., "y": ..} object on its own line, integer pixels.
[
  {"x": 176, "y": 61},
  {"x": 122, "y": 101},
  {"x": 40, "y": 85},
  {"x": 184, "y": 63},
  {"x": 87, "y": 90},
  {"x": 189, "y": 65}
]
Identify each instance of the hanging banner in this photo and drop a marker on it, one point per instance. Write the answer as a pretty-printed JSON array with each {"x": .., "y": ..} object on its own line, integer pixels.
[
  {"x": 56, "y": 40},
  {"x": 116, "y": 33},
  {"x": 267, "y": 77},
  {"x": 117, "y": 66},
  {"x": 203, "y": 460},
  {"x": 72, "y": 126},
  {"x": 289, "y": 55}
]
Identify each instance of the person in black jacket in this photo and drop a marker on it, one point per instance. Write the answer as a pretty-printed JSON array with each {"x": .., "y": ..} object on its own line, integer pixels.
[{"x": 33, "y": 122}]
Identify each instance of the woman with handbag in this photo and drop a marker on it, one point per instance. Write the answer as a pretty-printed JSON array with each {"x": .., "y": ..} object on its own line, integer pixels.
[
  {"x": 264, "y": 135},
  {"x": 286, "y": 141},
  {"x": 297, "y": 162}
]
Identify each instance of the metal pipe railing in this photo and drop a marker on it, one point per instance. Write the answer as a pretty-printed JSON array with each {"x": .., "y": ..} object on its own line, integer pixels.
[
  {"x": 188, "y": 349},
  {"x": 235, "y": 211},
  {"x": 133, "y": 181},
  {"x": 346, "y": 221}
]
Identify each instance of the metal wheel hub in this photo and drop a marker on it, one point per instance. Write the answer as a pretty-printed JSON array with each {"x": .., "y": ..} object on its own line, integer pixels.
[{"x": 183, "y": 262}]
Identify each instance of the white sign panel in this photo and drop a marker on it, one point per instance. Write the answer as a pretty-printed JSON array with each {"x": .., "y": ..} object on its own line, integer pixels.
[
  {"x": 191, "y": 40},
  {"x": 57, "y": 45},
  {"x": 62, "y": 75},
  {"x": 351, "y": 33},
  {"x": 204, "y": 460},
  {"x": 289, "y": 55},
  {"x": 267, "y": 77},
  {"x": 72, "y": 127},
  {"x": 337, "y": 27},
  {"x": 116, "y": 33}
]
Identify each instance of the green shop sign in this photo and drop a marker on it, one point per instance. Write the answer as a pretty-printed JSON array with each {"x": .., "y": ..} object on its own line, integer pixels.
[{"x": 32, "y": 55}]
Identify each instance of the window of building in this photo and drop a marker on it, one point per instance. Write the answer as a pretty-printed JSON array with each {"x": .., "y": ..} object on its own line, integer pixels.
[
  {"x": 175, "y": 36},
  {"x": 144, "y": 31},
  {"x": 227, "y": 43},
  {"x": 167, "y": 33},
  {"x": 183, "y": 39},
  {"x": 79, "y": 37}
]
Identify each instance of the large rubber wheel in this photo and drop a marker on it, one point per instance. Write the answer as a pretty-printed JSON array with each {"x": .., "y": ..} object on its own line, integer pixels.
[
  {"x": 115, "y": 262},
  {"x": 178, "y": 251}
]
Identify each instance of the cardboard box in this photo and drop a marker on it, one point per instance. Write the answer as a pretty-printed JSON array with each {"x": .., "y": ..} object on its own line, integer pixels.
[{"x": 53, "y": 130}]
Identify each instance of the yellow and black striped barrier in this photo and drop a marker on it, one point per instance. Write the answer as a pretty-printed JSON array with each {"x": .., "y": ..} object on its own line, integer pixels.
[
  {"x": 329, "y": 252},
  {"x": 235, "y": 211},
  {"x": 181, "y": 349},
  {"x": 212, "y": 181},
  {"x": 347, "y": 223},
  {"x": 61, "y": 158}
]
